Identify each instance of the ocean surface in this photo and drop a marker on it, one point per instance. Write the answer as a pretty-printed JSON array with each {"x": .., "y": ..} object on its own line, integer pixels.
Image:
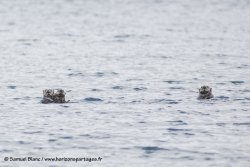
[{"x": 132, "y": 70}]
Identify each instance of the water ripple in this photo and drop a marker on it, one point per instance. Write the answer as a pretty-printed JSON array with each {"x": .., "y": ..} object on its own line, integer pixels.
[
  {"x": 92, "y": 99},
  {"x": 152, "y": 149},
  {"x": 11, "y": 87},
  {"x": 237, "y": 82},
  {"x": 172, "y": 82},
  {"x": 178, "y": 130}
]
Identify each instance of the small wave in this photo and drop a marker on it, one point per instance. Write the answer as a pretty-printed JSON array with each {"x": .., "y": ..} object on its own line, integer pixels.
[
  {"x": 134, "y": 79},
  {"x": 102, "y": 74},
  {"x": 152, "y": 149},
  {"x": 65, "y": 106},
  {"x": 34, "y": 132},
  {"x": 241, "y": 99},
  {"x": 181, "y": 88},
  {"x": 11, "y": 87},
  {"x": 99, "y": 74},
  {"x": 177, "y": 130},
  {"x": 139, "y": 89},
  {"x": 38, "y": 148},
  {"x": 45, "y": 116},
  {"x": 137, "y": 101},
  {"x": 96, "y": 90},
  {"x": 75, "y": 74},
  {"x": 80, "y": 147},
  {"x": 221, "y": 83},
  {"x": 220, "y": 124},
  {"x": 243, "y": 123},
  {"x": 92, "y": 99},
  {"x": 23, "y": 98},
  {"x": 165, "y": 57},
  {"x": 27, "y": 40},
  {"x": 182, "y": 112},
  {"x": 178, "y": 122},
  {"x": 166, "y": 101},
  {"x": 189, "y": 134},
  {"x": 52, "y": 140},
  {"x": 246, "y": 90},
  {"x": 125, "y": 148},
  {"x": 5, "y": 151},
  {"x": 17, "y": 98},
  {"x": 122, "y": 36},
  {"x": 23, "y": 142},
  {"x": 117, "y": 87},
  {"x": 237, "y": 82},
  {"x": 222, "y": 97},
  {"x": 66, "y": 137},
  {"x": 97, "y": 136},
  {"x": 242, "y": 66},
  {"x": 85, "y": 135},
  {"x": 221, "y": 55},
  {"x": 172, "y": 82}
]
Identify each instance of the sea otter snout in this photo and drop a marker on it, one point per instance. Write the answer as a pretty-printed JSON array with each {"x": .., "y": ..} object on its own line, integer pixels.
[{"x": 205, "y": 92}]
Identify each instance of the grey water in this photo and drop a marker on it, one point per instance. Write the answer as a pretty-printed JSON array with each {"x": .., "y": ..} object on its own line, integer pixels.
[{"x": 132, "y": 69}]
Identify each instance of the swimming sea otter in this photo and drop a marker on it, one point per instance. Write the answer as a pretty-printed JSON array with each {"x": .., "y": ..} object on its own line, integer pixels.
[{"x": 205, "y": 92}]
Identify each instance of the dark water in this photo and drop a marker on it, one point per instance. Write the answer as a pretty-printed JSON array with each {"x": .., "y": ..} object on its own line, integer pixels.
[{"x": 132, "y": 70}]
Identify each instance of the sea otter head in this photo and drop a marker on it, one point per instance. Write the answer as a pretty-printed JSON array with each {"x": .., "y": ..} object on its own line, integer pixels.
[
  {"x": 60, "y": 92},
  {"x": 48, "y": 93},
  {"x": 205, "y": 90}
]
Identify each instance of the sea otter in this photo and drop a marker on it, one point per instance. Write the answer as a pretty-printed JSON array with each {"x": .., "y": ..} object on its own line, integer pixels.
[
  {"x": 205, "y": 92},
  {"x": 59, "y": 96},
  {"x": 47, "y": 96},
  {"x": 53, "y": 96}
]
